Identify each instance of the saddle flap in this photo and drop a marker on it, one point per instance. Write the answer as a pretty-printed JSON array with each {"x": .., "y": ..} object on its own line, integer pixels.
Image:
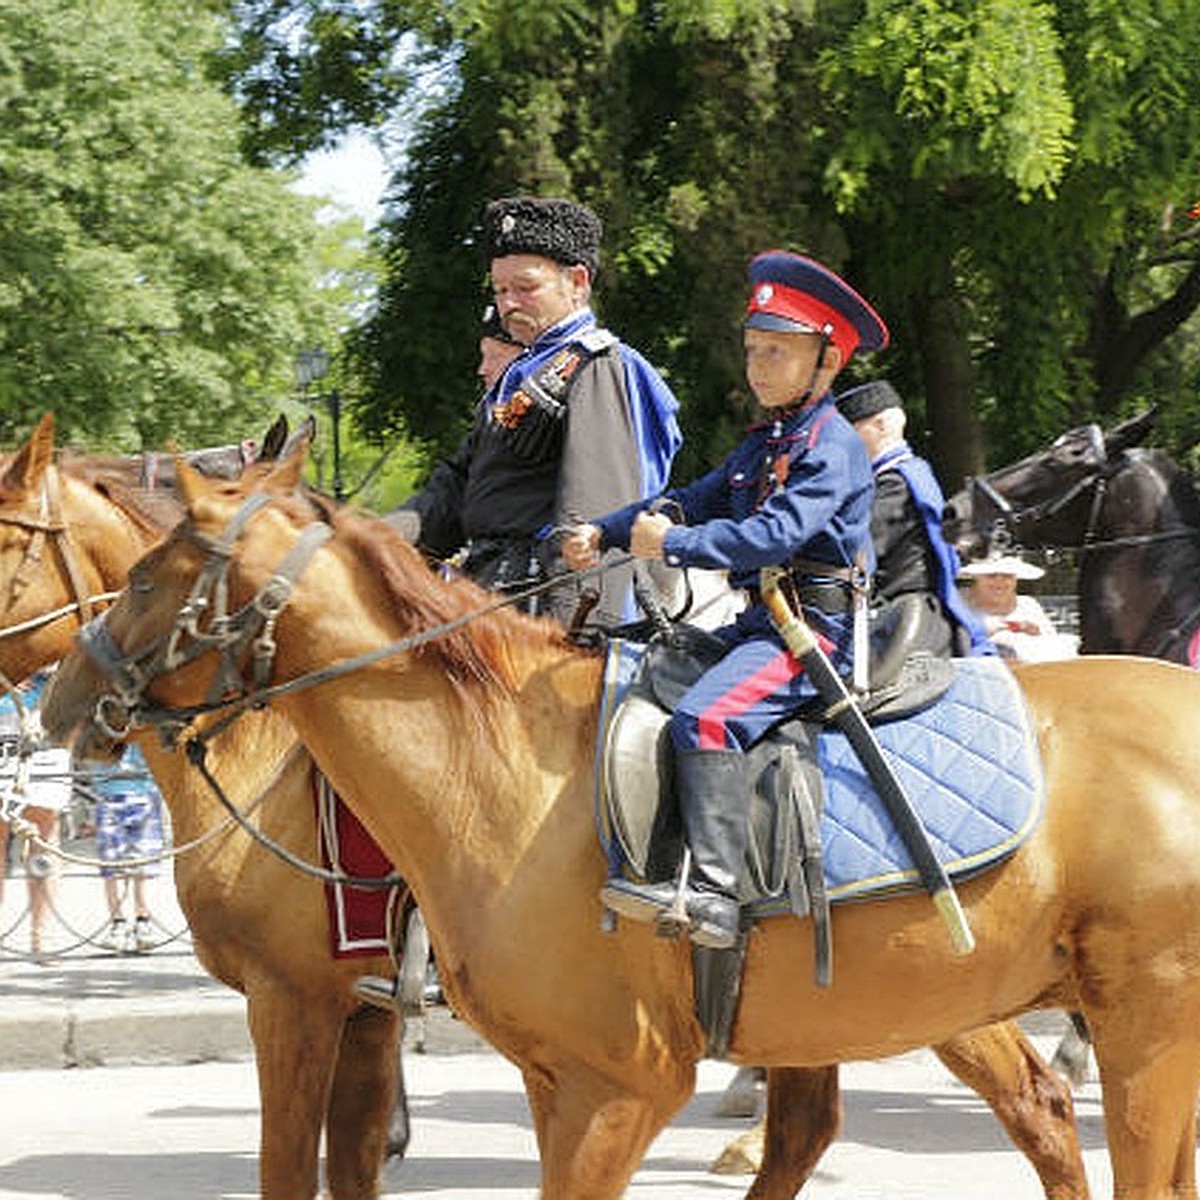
[{"x": 639, "y": 771}]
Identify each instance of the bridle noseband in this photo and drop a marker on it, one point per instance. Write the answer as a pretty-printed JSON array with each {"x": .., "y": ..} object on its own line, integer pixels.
[{"x": 202, "y": 625}]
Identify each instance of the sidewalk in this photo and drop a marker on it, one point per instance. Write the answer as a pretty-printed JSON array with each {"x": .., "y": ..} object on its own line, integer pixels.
[{"x": 87, "y": 1006}]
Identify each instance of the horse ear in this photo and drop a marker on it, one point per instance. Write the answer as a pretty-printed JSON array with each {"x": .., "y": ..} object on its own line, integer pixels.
[
  {"x": 1132, "y": 432},
  {"x": 307, "y": 433},
  {"x": 275, "y": 439},
  {"x": 29, "y": 463},
  {"x": 285, "y": 474}
]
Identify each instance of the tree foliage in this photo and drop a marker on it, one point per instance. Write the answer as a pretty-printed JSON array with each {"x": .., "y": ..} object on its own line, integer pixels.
[
  {"x": 153, "y": 287},
  {"x": 1013, "y": 182}
]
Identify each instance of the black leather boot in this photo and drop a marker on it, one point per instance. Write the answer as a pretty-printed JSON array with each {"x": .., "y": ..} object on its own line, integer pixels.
[{"x": 714, "y": 801}]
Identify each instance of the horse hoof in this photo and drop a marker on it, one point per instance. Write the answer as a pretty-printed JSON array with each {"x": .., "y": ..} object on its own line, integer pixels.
[{"x": 743, "y": 1156}]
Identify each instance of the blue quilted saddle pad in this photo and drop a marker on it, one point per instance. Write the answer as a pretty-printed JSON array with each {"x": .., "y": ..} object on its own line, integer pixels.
[{"x": 970, "y": 766}]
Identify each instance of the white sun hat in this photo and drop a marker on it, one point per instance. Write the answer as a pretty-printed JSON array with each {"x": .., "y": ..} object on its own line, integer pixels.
[{"x": 1003, "y": 564}]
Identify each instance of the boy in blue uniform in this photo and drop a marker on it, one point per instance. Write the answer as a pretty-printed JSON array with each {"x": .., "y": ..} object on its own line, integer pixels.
[{"x": 795, "y": 494}]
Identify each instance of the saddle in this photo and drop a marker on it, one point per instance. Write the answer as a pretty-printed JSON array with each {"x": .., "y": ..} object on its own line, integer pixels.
[{"x": 956, "y": 733}]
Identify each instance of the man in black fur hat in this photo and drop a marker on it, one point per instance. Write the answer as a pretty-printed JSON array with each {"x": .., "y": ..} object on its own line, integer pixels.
[{"x": 578, "y": 424}]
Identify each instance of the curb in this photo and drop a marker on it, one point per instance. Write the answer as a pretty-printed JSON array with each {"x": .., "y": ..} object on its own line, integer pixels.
[
  {"x": 85, "y": 1006},
  {"x": 167, "y": 1032}
]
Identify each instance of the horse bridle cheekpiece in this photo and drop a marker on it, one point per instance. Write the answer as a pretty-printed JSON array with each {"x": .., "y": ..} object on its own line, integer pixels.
[
  {"x": 999, "y": 522},
  {"x": 203, "y": 625}
]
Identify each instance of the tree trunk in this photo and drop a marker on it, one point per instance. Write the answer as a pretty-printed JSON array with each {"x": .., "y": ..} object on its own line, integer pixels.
[
  {"x": 1119, "y": 343},
  {"x": 956, "y": 438}
]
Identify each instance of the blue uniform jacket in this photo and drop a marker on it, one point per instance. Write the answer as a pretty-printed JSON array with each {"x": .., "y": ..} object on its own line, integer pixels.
[{"x": 750, "y": 512}]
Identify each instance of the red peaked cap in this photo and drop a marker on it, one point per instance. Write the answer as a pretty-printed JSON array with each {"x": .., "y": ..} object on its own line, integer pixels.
[{"x": 793, "y": 294}]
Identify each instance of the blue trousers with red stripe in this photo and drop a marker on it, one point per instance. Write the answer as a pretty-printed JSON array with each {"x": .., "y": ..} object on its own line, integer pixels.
[{"x": 756, "y": 685}]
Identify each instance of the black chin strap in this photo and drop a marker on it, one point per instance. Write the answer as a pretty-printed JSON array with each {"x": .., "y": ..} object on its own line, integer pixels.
[{"x": 806, "y": 395}]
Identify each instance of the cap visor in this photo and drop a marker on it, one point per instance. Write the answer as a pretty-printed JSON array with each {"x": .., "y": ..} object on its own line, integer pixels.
[{"x": 774, "y": 324}]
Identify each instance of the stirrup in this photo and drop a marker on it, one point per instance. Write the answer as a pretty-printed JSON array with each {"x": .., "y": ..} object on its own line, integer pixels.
[
  {"x": 382, "y": 993},
  {"x": 637, "y": 901}
]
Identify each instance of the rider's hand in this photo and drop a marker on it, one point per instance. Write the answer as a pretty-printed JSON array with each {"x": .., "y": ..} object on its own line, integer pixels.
[
  {"x": 581, "y": 547},
  {"x": 646, "y": 537}
]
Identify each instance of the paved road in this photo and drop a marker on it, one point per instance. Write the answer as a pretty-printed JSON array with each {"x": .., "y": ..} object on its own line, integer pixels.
[
  {"x": 189, "y": 1132},
  {"x": 84, "y": 1120}
]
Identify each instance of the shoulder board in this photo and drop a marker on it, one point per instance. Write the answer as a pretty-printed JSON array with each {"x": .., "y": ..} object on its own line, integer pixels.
[{"x": 596, "y": 341}]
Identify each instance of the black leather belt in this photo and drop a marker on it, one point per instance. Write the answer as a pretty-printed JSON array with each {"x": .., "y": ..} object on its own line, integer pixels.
[{"x": 827, "y": 597}]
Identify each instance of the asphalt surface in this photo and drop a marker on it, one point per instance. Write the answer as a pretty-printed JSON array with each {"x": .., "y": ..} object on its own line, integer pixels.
[{"x": 86, "y": 1006}]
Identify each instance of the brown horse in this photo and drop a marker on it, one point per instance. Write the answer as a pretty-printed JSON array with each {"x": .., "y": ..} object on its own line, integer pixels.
[
  {"x": 324, "y": 1061},
  {"x": 260, "y": 927},
  {"x": 469, "y": 755}
]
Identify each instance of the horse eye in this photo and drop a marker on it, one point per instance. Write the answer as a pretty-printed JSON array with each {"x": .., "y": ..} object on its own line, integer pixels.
[{"x": 140, "y": 585}]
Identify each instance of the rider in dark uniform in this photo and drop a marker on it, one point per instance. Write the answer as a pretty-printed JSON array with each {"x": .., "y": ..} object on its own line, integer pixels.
[
  {"x": 578, "y": 423},
  {"x": 797, "y": 494},
  {"x": 915, "y": 565}
]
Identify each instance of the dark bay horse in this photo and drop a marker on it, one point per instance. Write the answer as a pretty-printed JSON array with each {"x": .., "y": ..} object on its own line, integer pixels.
[
  {"x": 469, "y": 755},
  {"x": 69, "y": 532},
  {"x": 1130, "y": 514}
]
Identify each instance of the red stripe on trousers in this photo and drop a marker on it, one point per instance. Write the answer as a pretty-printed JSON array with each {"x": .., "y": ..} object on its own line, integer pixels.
[{"x": 767, "y": 680}]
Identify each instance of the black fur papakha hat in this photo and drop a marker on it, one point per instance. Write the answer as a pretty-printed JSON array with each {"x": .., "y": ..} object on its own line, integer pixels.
[
  {"x": 868, "y": 399},
  {"x": 567, "y": 232}
]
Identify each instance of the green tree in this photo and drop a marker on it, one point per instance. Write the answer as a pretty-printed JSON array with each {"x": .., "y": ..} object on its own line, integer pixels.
[
  {"x": 1008, "y": 180},
  {"x": 152, "y": 286}
]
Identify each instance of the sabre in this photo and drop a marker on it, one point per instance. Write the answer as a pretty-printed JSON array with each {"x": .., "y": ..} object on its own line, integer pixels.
[{"x": 845, "y": 713}]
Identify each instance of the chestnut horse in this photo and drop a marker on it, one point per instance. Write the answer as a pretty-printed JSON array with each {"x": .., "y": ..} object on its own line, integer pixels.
[
  {"x": 261, "y": 928},
  {"x": 324, "y": 1061},
  {"x": 466, "y": 746}
]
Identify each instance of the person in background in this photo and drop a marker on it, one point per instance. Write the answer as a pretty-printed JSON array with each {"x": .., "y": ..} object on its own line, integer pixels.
[
  {"x": 795, "y": 494},
  {"x": 913, "y": 560},
  {"x": 1016, "y": 622},
  {"x": 47, "y": 793},
  {"x": 576, "y": 424},
  {"x": 129, "y": 830},
  {"x": 496, "y": 348}
]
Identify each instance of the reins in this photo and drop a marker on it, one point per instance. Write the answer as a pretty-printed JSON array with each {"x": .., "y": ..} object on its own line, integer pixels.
[
  {"x": 196, "y": 749},
  {"x": 133, "y": 671},
  {"x": 226, "y": 634}
]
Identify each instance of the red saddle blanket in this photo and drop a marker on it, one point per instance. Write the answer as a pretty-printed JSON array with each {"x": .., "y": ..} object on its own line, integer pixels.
[{"x": 360, "y": 919}]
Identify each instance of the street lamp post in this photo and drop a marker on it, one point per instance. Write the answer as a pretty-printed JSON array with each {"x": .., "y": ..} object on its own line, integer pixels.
[{"x": 311, "y": 367}]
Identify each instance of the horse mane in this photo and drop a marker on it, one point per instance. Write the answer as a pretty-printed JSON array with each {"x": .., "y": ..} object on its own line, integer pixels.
[
  {"x": 1181, "y": 487},
  {"x": 480, "y": 656}
]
